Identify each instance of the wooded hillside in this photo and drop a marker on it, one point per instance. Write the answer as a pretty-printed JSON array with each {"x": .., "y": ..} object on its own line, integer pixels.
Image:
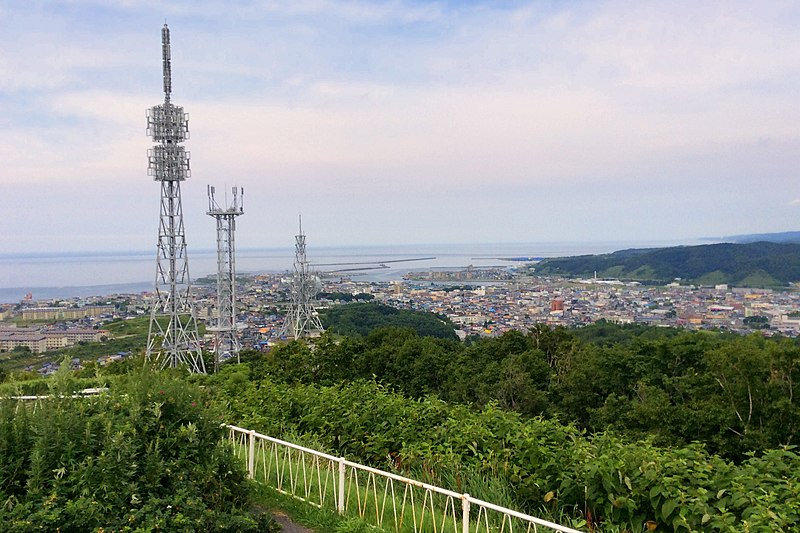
[{"x": 760, "y": 264}]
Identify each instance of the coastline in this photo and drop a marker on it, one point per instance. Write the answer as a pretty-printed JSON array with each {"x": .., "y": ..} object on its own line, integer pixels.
[{"x": 69, "y": 275}]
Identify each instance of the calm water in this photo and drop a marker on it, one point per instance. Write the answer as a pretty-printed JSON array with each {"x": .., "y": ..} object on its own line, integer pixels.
[{"x": 68, "y": 275}]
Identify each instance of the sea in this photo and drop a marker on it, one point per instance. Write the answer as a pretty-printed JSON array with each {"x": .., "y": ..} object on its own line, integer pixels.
[{"x": 47, "y": 276}]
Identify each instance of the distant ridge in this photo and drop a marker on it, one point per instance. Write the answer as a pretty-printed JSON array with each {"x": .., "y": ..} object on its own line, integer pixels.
[
  {"x": 755, "y": 264},
  {"x": 783, "y": 236}
]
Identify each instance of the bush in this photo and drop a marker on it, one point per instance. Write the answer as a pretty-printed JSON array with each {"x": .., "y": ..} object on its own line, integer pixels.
[
  {"x": 148, "y": 455},
  {"x": 547, "y": 467}
]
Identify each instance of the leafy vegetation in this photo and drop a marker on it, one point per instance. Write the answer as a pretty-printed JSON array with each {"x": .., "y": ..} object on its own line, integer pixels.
[
  {"x": 362, "y": 318},
  {"x": 41, "y": 386},
  {"x": 549, "y": 468},
  {"x": 146, "y": 456},
  {"x": 615, "y": 426},
  {"x": 759, "y": 264},
  {"x": 734, "y": 394}
]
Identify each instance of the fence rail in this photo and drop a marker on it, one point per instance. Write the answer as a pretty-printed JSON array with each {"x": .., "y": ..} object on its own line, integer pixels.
[{"x": 384, "y": 499}]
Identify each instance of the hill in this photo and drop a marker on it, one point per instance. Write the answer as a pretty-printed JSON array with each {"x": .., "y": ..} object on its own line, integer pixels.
[
  {"x": 758, "y": 264},
  {"x": 362, "y": 318},
  {"x": 783, "y": 236}
]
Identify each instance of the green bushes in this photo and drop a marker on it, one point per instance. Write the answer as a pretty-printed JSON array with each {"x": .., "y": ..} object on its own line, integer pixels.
[
  {"x": 549, "y": 468},
  {"x": 146, "y": 456},
  {"x": 41, "y": 386},
  {"x": 733, "y": 393}
]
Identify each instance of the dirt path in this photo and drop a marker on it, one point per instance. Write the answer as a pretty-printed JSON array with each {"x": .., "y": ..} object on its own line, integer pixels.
[{"x": 287, "y": 524}]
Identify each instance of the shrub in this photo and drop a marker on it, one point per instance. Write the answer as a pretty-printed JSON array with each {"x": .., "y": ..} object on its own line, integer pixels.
[
  {"x": 147, "y": 455},
  {"x": 546, "y": 466}
]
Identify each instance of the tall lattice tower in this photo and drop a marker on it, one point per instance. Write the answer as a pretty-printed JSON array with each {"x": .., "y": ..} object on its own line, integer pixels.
[
  {"x": 172, "y": 339},
  {"x": 225, "y": 334},
  {"x": 301, "y": 318}
]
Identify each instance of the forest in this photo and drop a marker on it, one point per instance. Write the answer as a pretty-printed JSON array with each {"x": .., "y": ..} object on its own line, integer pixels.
[
  {"x": 734, "y": 394},
  {"x": 755, "y": 264},
  {"x": 619, "y": 428},
  {"x": 361, "y": 318}
]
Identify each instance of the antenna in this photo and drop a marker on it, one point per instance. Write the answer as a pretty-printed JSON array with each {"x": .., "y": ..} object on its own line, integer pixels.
[
  {"x": 167, "y": 64},
  {"x": 302, "y": 319},
  {"x": 226, "y": 338},
  {"x": 172, "y": 339}
]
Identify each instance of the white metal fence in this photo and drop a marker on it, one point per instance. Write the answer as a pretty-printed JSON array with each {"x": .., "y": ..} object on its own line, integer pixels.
[{"x": 384, "y": 499}]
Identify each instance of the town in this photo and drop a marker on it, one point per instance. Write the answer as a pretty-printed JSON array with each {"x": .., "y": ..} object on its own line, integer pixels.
[{"x": 480, "y": 302}]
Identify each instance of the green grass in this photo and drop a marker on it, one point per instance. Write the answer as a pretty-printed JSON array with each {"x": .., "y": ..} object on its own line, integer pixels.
[
  {"x": 761, "y": 279},
  {"x": 17, "y": 361},
  {"x": 310, "y": 516},
  {"x": 716, "y": 277},
  {"x": 133, "y": 326},
  {"x": 613, "y": 272},
  {"x": 644, "y": 272}
]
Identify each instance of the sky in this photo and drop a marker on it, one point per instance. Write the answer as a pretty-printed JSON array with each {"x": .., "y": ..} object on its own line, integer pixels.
[{"x": 402, "y": 121}]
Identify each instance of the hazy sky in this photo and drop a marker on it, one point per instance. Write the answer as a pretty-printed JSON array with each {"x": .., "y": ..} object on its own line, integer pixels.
[{"x": 403, "y": 121}]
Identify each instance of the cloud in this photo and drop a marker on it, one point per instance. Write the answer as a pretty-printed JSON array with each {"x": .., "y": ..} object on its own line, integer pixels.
[{"x": 353, "y": 101}]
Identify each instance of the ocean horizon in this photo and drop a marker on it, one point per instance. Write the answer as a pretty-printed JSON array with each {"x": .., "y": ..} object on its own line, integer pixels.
[{"x": 49, "y": 275}]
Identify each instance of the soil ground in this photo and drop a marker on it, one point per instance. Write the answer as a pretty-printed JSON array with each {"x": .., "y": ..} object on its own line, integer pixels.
[{"x": 287, "y": 524}]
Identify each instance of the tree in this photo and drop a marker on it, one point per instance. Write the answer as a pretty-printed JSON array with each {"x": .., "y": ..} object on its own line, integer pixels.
[
  {"x": 742, "y": 370},
  {"x": 756, "y": 322},
  {"x": 523, "y": 383},
  {"x": 362, "y": 318}
]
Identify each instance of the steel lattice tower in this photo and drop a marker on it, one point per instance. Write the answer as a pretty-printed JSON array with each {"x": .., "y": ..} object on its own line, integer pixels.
[
  {"x": 301, "y": 318},
  {"x": 172, "y": 339},
  {"x": 226, "y": 339}
]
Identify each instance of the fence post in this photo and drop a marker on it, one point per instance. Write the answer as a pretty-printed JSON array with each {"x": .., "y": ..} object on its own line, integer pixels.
[
  {"x": 251, "y": 454},
  {"x": 465, "y": 513},
  {"x": 342, "y": 474}
]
